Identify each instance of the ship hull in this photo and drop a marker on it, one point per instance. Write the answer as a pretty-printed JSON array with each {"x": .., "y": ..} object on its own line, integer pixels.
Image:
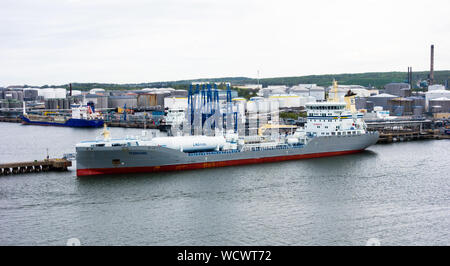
[
  {"x": 72, "y": 122},
  {"x": 140, "y": 159}
]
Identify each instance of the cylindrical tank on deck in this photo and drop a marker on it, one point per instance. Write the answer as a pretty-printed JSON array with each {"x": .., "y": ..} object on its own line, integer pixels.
[{"x": 191, "y": 143}]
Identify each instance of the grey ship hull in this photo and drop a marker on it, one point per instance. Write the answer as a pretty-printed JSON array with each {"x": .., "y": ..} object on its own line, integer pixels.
[{"x": 135, "y": 159}]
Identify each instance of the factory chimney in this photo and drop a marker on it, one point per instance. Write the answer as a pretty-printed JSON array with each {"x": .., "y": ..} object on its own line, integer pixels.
[
  {"x": 432, "y": 65},
  {"x": 411, "y": 80},
  {"x": 70, "y": 89}
]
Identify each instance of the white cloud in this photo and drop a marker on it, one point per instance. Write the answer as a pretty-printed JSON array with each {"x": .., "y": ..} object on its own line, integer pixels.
[{"x": 54, "y": 42}]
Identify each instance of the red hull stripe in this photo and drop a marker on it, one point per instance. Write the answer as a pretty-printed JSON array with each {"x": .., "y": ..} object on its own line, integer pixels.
[{"x": 179, "y": 167}]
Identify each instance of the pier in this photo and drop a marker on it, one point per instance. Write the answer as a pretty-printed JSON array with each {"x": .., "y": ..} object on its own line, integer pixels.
[
  {"x": 407, "y": 130},
  {"x": 35, "y": 166},
  {"x": 14, "y": 119}
]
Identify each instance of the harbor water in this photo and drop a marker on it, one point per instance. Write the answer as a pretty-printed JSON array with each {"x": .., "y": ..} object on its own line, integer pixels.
[{"x": 396, "y": 193}]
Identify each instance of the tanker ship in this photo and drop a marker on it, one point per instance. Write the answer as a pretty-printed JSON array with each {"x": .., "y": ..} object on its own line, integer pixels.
[
  {"x": 330, "y": 129},
  {"x": 81, "y": 117}
]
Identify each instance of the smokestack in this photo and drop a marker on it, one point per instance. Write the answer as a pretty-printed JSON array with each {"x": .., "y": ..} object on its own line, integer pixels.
[
  {"x": 70, "y": 89},
  {"x": 432, "y": 65},
  {"x": 410, "y": 77}
]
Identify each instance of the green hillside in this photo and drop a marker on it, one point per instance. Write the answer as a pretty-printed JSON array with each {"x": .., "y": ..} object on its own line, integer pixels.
[{"x": 376, "y": 79}]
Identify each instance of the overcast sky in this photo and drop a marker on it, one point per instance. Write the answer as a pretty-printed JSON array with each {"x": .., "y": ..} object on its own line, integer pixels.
[{"x": 131, "y": 41}]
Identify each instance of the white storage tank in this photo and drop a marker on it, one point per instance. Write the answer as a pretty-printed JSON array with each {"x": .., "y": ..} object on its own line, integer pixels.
[
  {"x": 76, "y": 92},
  {"x": 263, "y": 106},
  {"x": 190, "y": 143},
  {"x": 318, "y": 93},
  {"x": 176, "y": 102},
  {"x": 60, "y": 93},
  {"x": 241, "y": 104},
  {"x": 436, "y": 87},
  {"x": 97, "y": 91},
  {"x": 252, "y": 107},
  {"x": 48, "y": 93}
]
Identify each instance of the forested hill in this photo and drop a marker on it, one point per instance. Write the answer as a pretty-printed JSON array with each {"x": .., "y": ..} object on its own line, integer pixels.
[{"x": 376, "y": 79}]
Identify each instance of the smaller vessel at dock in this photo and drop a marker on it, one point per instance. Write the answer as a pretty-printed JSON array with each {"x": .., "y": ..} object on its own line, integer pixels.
[{"x": 82, "y": 116}]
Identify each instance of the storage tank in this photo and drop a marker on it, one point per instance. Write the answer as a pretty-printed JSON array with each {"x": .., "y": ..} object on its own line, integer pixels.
[
  {"x": 40, "y": 92},
  {"x": 369, "y": 106},
  {"x": 176, "y": 102},
  {"x": 300, "y": 91},
  {"x": 102, "y": 102},
  {"x": 435, "y": 94},
  {"x": 99, "y": 101},
  {"x": 418, "y": 110},
  {"x": 5, "y": 104},
  {"x": 2, "y": 93},
  {"x": 30, "y": 94},
  {"x": 436, "y": 87},
  {"x": 120, "y": 101},
  {"x": 66, "y": 104},
  {"x": 146, "y": 100},
  {"x": 382, "y": 100},
  {"x": 360, "y": 103},
  {"x": 160, "y": 98},
  {"x": 76, "y": 92},
  {"x": 10, "y": 95},
  {"x": 318, "y": 93},
  {"x": 60, "y": 93},
  {"x": 96, "y": 91},
  {"x": 60, "y": 103},
  {"x": 443, "y": 102},
  {"x": 396, "y": 88},
  {"x": 48, "y": 93},
  {"x": 263, "y": 106},
  {"x": 190, "y": 143},
  {"x": 179, "y": 93}
]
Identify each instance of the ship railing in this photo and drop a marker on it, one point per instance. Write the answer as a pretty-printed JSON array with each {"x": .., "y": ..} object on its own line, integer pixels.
[
  {"x": 253, "y": 147},
  {"x": 212, "y": 152}
]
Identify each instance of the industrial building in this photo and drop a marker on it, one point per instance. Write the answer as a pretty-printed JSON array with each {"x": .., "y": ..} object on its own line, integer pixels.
[
  {"x": 435, "y": 92},
  {"x": 439, "y": 105},
  {"x": 382, "y": 100},
  {"x": 398, "y": 89},
  {"x": 400, "y": 106},
  {"x": 130, "y": 101}
]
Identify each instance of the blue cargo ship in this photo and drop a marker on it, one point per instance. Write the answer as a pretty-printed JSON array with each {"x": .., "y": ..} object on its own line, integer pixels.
[
  {"x": 81, "y": 117},
  {"x": 71, "y": 122}
]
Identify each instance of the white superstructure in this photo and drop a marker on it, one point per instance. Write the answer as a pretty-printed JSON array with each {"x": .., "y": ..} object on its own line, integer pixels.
[{"x": 333, "y": 118}]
